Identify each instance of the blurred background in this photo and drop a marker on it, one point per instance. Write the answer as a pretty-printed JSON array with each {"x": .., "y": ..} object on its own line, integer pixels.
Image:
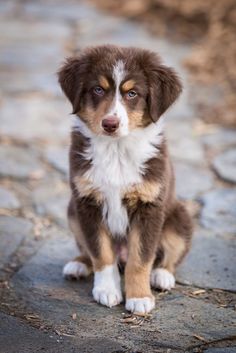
[{"x": 198, "y": 39}]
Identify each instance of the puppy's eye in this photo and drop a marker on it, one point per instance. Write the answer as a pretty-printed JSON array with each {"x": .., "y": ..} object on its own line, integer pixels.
[
  {"x": 131, "y": 94},
  {"x": 98, "y": 90}
]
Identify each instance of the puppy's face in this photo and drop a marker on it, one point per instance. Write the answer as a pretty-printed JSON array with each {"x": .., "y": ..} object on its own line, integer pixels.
[{"x": 115, "y": 90}]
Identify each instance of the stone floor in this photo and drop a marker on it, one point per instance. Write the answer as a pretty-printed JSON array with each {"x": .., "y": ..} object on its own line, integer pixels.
[{"x": 39, "y": 311}]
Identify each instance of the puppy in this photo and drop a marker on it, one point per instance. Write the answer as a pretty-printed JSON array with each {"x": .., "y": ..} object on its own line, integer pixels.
[{"x": 123, "y": 207}]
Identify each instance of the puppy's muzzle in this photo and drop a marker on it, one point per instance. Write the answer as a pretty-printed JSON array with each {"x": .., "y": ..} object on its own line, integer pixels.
[{"x": 110, "y": 124}]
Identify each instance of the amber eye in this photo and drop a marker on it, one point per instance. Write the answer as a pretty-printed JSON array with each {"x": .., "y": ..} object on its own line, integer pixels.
[
  {"x": 131, "y": 94},
  {"x": 98, "y": 90}
]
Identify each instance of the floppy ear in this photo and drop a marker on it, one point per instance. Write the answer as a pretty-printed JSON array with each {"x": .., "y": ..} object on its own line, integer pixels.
[
  {"x": 165, "y": 87},
  {"x": 71, "y": 81}
]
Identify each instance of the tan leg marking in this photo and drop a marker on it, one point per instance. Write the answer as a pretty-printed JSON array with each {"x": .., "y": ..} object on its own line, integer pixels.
[
  {"x": 174, "y": 249},
  {"x": 137, "y": 274},
  {"x": 106, "y": 250}
]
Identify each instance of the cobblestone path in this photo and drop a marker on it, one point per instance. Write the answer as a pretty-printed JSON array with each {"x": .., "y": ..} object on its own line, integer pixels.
[{"x": 39, "y": 311}]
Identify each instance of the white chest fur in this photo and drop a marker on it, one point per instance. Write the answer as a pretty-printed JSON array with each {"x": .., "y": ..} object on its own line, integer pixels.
[{"x": 116, "y": 165}]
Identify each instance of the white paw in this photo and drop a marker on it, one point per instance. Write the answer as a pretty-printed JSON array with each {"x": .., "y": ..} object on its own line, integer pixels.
[
  {"x": 107, "y": 296},
  {"x": 140, "y": 305},
  {"x": 106, "y": 290},
  {"x": 75, "y": 269},
  {"x": 162, "y": 278}
]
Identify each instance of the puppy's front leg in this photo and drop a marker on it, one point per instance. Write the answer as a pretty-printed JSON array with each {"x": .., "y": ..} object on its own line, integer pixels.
[
  {"x": 98, "y": 244},
  {"x": 142, "y": 244},
  {"x": 106, "y": 290},
  {"x": 139, "y": 298}
]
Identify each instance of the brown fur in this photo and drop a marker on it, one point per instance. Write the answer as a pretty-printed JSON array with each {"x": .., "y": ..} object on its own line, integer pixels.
[{"x": 160, "y": 226}]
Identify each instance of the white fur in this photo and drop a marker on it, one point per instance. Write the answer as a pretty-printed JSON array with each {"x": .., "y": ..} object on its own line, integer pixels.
[
  {"x": 75, "y": 269},
  {"x": 106, "y": 288},
  {"x": 117, "y": 107},
  {"x": 162, "y": 278},
  {"x": 118, "y": 163},
  {"x": 140, "y": 305}
]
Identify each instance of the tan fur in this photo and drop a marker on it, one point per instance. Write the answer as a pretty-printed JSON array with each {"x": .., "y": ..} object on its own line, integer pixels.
[
  {"x": 138, "y": 118},
  {"x": 174, "y": 249},
  {"x": 85, "y": 188},
  {"x": 93, "y": 117},
  {"x": 128, "y": 85},
  {"x": 104, "y": 82},
  {"x": 78, "y": 234},
  {"x": 146, "y": 191},
  {"x": 85, "y": 260},
  {"x": 107, "y": 256},
  {"x": 137, "y": 274}
]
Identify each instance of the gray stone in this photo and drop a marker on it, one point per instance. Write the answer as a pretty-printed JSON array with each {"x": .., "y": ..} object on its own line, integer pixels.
[
  {"x": 13, "y": 230},
  {"x": 51, "y": 199},
  {"x": 221, "y": 350},
  {"x": 191, "y": 181},
  {"x": 183, "y": 144},
  {"x": 8, "y": 199},
  {"x": 211, "y": 262},
  {"x": 18, "y": 162},
  {"x": 18, "y": 57},
  {"x": 40, "y": 284},
  {"x": 43, "y": 81},
  {"x": 225, "y": 165},
  {"x": 58, "y": 158},
  {"x": 6, "y": 8},
  {"x": 38, "y": 117},
  {"x": 25, "y": 31},
  {"x": 72, "y": 11},
  {"x": 220, "y": 139},
  {"x": 219, "y": 211},
  {"x": 187, "y": 149},
  {"x": 17, "y": 336}
]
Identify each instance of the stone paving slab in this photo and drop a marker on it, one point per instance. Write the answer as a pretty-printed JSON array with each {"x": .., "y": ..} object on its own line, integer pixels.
[
  {"x": 211, "y": 262},
  {"x": 8, "y": 200},
  {"x": 17, "y": 162},
  {"x": 225, "y": 165},
  {"x": 12, "y": 232},
  {"x": 55, "y": 300},
  {"x": 220, "y": 139},
  {"x": 58, "y": 157},
  {"x": 51, "y": 199},
  {"x": 221, "y": 350},
  {"x": 219, "y": 211},
  {"x": 39, "y": 118},
  {"x": 18, "y": 337},
  {"x": 191, "y": 181}
]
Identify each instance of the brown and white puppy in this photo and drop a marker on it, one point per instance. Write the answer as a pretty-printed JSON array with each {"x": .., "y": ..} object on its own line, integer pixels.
[{"x": 123, "y": 206}]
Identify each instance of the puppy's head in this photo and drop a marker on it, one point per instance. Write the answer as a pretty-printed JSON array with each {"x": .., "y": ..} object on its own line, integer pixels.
[{"x": 115, "y": 90}]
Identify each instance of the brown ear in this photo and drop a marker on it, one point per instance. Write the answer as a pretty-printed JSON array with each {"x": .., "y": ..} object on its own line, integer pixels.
[
  {"x": 70, "y": 79},
  {"x": 165, "y": 88}
]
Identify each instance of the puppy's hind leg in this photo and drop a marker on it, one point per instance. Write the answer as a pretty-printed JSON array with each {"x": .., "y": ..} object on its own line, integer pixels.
[
  {"x": 81, "y": 266},
  {"x": 175, "y": 243}
]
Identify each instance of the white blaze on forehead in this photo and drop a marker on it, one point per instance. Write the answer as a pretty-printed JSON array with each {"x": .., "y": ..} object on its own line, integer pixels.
[
  {"x": 118, "y": 73},
  {"x": 118, "y": 109}
]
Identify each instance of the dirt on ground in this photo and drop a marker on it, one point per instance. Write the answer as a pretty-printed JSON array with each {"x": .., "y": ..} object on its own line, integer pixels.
[{"x": 210, "y": 25}]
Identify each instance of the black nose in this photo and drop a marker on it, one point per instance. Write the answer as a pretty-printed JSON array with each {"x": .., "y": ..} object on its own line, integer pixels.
[{"x": 110, "y": 124}]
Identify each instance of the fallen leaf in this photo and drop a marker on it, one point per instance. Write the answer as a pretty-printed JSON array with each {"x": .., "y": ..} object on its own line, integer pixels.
[
  {"x": 199, "y": 291},
  {"x": 200, "y": 338}
]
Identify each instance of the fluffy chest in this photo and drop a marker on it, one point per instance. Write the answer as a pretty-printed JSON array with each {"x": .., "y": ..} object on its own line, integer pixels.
[{"x": 116, "y": 166}]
